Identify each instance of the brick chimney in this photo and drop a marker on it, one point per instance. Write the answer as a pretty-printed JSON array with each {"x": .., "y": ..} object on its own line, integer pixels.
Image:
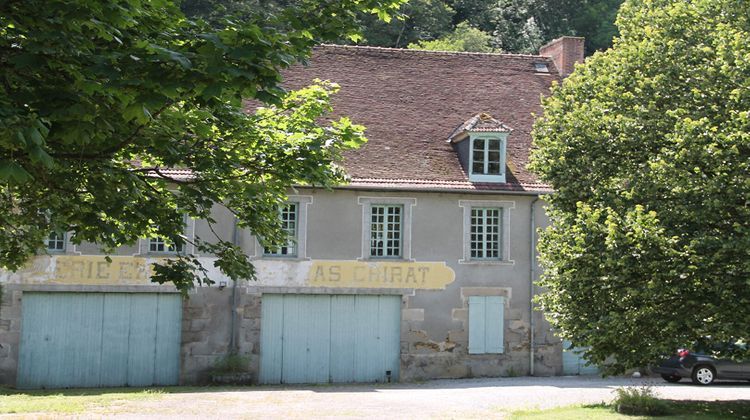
[{"x": 565, "y": 52}]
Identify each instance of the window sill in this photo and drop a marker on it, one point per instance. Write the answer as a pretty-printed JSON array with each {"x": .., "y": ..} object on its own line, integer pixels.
[
  {"x": 280, "y": 258},
  {"x": 486, "y": 262},
  {"x": 386, "y": 259},
  {"x": 164, "y": 254},
  {"x": 500, "y": 179}
]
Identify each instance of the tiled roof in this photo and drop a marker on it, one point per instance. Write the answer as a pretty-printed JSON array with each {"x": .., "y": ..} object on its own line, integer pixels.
[{"x": 411, "y": 101}]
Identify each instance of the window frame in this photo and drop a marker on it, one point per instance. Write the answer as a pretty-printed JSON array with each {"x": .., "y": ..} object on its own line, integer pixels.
[
  {"x": 485, "y": 176},
  {"x": 144, "y": 247},
  {"x": 407, "y": 204},
  {"x": 303, "y": 202},
  {"x": 293, "y": 238},
  {"x": 173, "y": 249},
  {"x": 505, "y": 207},
  {"x": 385, "y": 231},
  {"x": 498, "y": 242},
  {"x": 63, "y": 240}
]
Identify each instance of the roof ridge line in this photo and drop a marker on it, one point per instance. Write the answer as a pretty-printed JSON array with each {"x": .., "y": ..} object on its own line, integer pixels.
[{"x": 431, "y": 52}]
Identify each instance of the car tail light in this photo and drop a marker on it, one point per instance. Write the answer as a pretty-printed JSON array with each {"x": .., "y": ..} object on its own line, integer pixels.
[{"x": 683, "y": 352}]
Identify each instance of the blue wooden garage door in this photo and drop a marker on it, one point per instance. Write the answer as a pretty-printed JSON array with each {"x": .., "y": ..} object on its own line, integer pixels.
[
  {"x": 574, "y": 363},
  {"x": 99, "y": 340},
  {"x": 329, "y": 338}
]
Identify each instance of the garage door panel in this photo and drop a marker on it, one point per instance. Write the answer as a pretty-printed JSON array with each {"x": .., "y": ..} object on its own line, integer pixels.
[
  {"x": 318, "y": 333},
  {"x": 574, "y": 363},
  {"x": 329, "y": 338},
  {"x": 87, "y": 327},
  {"x": 61, "y": 352},
  {"x": 271, "y": 331},
  {"x": 294, "y": 341},
  {"x": 97, "y": 339},
  {"x": 342, "y": 331},
  {"x": 142, "y": 345},
  {"x": 168, "y": 326},
  {"x": 368, "y": 360},
  {"x": 390, "y": 334},
  {"x": 115, "y": 329},
  {"x": 65, "y": 357},
  {"x": 32, "y": 365}
]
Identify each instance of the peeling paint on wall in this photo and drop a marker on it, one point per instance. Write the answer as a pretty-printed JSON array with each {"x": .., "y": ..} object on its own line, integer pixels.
[{"x": 89, "y": 270}]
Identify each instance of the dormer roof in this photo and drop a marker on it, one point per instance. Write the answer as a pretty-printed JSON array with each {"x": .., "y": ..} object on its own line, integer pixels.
[{"x": 480, "y": 123}]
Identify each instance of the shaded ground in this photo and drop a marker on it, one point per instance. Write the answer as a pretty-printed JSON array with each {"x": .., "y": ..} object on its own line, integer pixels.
[{"x": 470, "y": 398}]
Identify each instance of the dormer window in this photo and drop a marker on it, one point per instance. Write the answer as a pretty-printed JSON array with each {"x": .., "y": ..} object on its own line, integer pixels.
[
  {"x": 487, "y": 158},
  {"x": 480, "y": 143}
]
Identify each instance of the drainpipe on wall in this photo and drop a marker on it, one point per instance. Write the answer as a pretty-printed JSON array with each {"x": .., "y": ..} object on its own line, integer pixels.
[
  {"x": 233, "y": 344},
  {"x": 532, "y": 266}
]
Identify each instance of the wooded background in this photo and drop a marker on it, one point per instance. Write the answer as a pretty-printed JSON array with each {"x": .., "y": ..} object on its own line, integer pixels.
[{"x": 513, "y": 26}]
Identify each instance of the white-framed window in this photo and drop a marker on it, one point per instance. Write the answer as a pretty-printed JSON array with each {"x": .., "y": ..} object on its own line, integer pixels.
[
  {"x": 487, "y": 157},
  {"x": 294, "y": 221},
  {"x": 486, "y": 324},
  {"x": 159, "y": 245},
  {"x": 386, "y": 235},
  {"x": 486, "y": 226},
  {"x": 386, "y": 227},
  {"x": 484, "y": 241},
  {"x": 289, "y": 215},
  {"x": 56, "y": 241}
]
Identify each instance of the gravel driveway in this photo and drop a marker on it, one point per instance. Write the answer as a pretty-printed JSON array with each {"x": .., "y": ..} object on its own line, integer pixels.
[{"x": 468, "y": 398}]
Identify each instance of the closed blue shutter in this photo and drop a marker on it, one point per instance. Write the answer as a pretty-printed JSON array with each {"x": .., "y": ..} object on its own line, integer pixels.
[
  {"x": 494, "y": 321},
  {"x": 486, "y": 324},
  {"x": 476, "y": 325}
]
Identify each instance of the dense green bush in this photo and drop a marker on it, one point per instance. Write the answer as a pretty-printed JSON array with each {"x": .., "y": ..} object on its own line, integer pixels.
[{"x": 639, "y": 401}]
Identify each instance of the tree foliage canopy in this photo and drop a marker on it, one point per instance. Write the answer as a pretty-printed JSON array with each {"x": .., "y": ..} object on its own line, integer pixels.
[
  {"x": 647, "y": 146},
  {"x": 99, "y": 99},
  {"x": 464, "y": 38},
  {"x": 516, "y": 26}
]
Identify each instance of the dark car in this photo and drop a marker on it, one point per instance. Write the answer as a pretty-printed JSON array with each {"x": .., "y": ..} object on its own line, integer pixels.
[{"x": 703, "y": 368}]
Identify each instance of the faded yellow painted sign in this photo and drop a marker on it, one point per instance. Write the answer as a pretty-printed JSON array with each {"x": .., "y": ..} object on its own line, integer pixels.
[
  {"x": 97, "y": 270},
  {"x": 380, "y": 274}
]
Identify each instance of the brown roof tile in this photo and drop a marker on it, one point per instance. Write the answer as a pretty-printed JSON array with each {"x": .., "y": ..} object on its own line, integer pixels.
[{"x": 411, "y": 101}]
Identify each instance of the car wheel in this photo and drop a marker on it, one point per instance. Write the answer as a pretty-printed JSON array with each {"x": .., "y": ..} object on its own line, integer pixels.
[
  {"x": 703, "y": 375},
  {"x": 671, "y": 378}
]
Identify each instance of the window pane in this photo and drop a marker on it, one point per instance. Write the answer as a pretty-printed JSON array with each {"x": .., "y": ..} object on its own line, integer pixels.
[
  {"x": 289, "y": 215},
  {"x": 485, "y": 233},
  {"x": 385, "y": 231},
  {"x": 56, "y": 241},
  {"x": 493, "y": 168}
]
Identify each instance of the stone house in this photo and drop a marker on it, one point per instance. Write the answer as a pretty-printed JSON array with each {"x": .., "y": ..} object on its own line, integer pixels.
[{"x": 421, "y": 267}]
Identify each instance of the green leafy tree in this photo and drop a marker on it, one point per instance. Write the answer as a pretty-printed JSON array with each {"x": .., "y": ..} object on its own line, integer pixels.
[
  {"x": 99, "y": 100},
  {"x": 647, "y": 146},
  {"x": 464, "y": 38},
  {"x": 524, "y": 25},
  {"x": 417, "y": 20}
]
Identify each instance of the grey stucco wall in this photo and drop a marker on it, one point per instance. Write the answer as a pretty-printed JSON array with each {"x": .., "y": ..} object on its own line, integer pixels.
[
  {"x": 434, "y": 336},
  {"x": 434, "y": 322}
]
